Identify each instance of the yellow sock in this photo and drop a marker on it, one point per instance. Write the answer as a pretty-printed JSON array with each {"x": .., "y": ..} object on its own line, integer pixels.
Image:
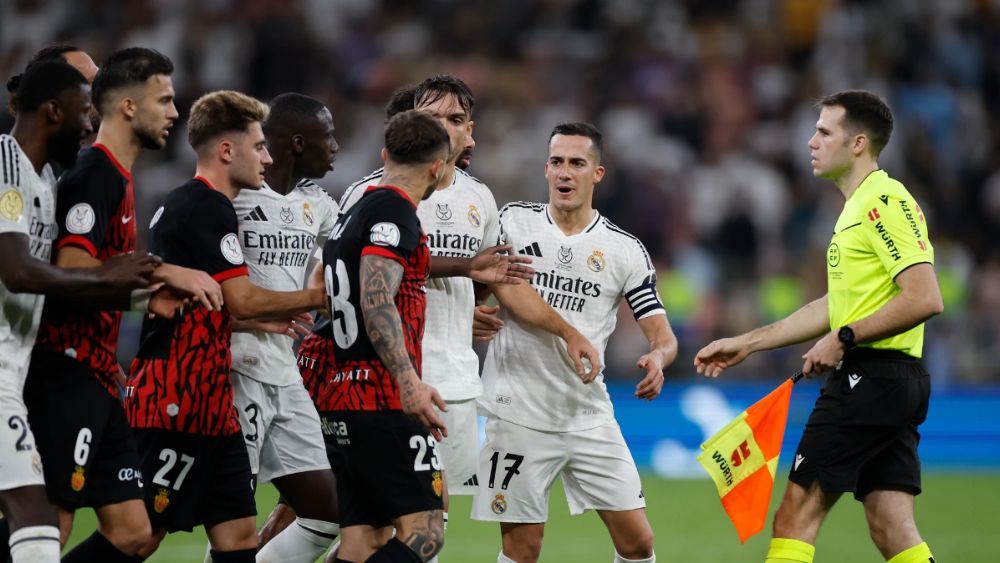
[
  {"x": 784, "y": 550},
  {"x": 916, "y": 554}
]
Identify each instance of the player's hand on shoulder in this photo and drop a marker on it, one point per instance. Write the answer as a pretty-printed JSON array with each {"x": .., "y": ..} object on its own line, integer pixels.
[
  {"x": 199, "y": 285},
  {"x": 652, "y": 382},
  {"x": 485, "y": 323},
  {"x": 419, "y": 401},
  {"x": 586, "y": 358},
  {"x": 129, "y": 271},
  {"x": 495, "y": 265},
  {"x": 719, "y": 355}
]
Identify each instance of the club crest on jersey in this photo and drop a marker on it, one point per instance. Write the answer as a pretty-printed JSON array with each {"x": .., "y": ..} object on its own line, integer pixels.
[
  {"x": 161, "y": 501},
  {"x": 442, "y": 211},
  {"x": 231, "y": 251},
  {"x": 286, "y": 214},
  {"x": 77, "y": 480},
  {"x": 385, "y": 234},
  {"x": 437, "y": 483},
  {"x": 596, "y": 261},
  {"x": 499, "y": 504},
  {"x": 80, "y": 219},
  {"x": 307, "y": 216},
  {"x": 474, "y": 217},
  {"x": 11, "y": 205},
  {"x": 565, "y": 255}
]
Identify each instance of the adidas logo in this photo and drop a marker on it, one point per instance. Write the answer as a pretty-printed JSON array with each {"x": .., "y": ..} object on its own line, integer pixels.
[
  {"x": 853, "y": 379},
  {"x": 472, "y": 482},
  {"x": 798, "y": 461},
  {"x": 531, "y": 250},
  {"x": 257, "y": 214}
]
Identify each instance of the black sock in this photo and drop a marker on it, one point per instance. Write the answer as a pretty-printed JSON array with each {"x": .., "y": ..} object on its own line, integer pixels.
[
  {"x": 97, "y": 548},
  {"x": 238, "y": 556},
  {"x": 339, "y": 560},
  {"x": 395, "y": 551},
  {"x": 4, "y": 540}
]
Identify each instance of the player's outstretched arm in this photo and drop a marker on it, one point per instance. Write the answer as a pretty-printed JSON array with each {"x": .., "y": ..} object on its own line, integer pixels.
[
  {"x": 379, "y": 281},
  {"x": 919, "y": 299},
  {"x": 490, "y": 266},
  {"x": 295, "y": 326},
  {"x": 248, "y": 301},
  {"x": 809, "y": 322},
  {"x": 23, "y": 273},
  {"x": 662, "y": 353},
  {"x": 524, "y": 303},
  {"x": 199, "y": 285}
]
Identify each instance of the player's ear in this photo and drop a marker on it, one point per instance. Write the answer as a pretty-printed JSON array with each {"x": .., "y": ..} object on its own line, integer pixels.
[
  {"x": 598, "y": 174},
  {"x": 224, "y": 150},
  {"x": 298, "y": 143},
  {"x": 384, "y": 154},
  {"x": 53, "y": 113},
  {"x": 128, "y": 107},
  {"x": 860, "y": 144}
]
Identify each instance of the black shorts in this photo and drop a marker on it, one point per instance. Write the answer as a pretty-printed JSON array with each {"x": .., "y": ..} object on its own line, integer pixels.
[
  {"x": 195, "y": 480},
  {"x": 88, "y": 452},
  {"x": 386, "y": 466},
  {"x": 862, "y": 434}
]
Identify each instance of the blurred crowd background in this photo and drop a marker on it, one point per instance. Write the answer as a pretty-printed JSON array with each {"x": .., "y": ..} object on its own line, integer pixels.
[{"x": 706, "y": 108}]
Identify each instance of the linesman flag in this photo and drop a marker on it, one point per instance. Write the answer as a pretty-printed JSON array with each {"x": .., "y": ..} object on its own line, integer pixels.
[{"x": 743, "y": 457}]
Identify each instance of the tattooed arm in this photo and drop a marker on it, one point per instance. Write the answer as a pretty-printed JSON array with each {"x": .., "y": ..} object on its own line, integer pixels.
[{"x": 380, "y": 279}]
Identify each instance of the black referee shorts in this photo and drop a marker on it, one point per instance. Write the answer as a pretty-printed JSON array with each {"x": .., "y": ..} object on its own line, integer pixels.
[{"x": 862, "y": 434}]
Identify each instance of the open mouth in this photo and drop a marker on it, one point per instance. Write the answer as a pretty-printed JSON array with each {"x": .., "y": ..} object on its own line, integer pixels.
[{"x": 565, "y": 190}]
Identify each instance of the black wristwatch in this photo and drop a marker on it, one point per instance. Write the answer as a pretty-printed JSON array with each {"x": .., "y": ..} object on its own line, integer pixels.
[{"x": 846, "y": 337}]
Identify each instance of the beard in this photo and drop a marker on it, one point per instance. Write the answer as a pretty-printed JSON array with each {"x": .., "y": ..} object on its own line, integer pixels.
[
  {"x": 464, "y": 159},
  {"x": 149, "y": 139}
]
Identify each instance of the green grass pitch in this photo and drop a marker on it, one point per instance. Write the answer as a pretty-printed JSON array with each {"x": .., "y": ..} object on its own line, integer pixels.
[{"x": 956, "y": 514}]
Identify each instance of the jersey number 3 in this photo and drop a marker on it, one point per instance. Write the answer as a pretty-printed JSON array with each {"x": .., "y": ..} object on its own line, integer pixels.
[{"x": 345, "y": 320}]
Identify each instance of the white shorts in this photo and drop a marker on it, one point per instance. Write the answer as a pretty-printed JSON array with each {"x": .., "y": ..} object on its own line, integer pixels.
[
  {"x": 281, "y": 428},
  {"x": 518, "y": 465},
  {"x": 20, "y": 464},
  {"x": 459, "y": 452}
]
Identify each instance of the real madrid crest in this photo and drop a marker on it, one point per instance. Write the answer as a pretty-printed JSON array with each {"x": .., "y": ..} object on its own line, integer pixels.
[
  {"x": 307, "y": 216},
  {"x": 474, "y": 217},
  {"x": 596, "y": 261},
  {"x": 499, "y": 505}
]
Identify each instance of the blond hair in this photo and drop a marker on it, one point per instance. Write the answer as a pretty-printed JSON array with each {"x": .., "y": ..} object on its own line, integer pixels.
[{"x": 223, "y": 111}]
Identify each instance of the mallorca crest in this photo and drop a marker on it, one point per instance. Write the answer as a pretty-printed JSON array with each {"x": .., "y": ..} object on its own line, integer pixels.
[
  {"x": 442, "y": 212},
  {"x": 474, "y": 217},
  {"x": 565, "y": 254},
  {"x": 437, "y": 483},
  {"x": 161, "y": 501},
  {"x": 596, "y": 261},
  {"x": 77, "y": 480}
]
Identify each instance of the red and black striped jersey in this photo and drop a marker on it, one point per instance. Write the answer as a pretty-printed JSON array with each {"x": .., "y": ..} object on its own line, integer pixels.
[
  {"x": 95, "y": 209},
  {"x": 315, "y": 357},
  {"x": 179, "y": 379},
  {"x": 384, "y": 223}
]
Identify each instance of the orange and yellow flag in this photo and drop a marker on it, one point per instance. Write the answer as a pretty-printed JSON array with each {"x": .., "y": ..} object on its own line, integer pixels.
[{"x": 743, "y": 457}]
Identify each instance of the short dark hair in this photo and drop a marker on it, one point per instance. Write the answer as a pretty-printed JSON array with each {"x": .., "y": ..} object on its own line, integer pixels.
[
  {"x": 51, "y": 53},
  {"x": 128, "y": 67},
  {"x": 44, "y": 81},
  {"x": 290, "y": 111},
  {"x": 400, "y": 101},
  {"x": 581, "y": 129},
  {"x": 223, "y": 111},
  {"x": 414, "y": 137},
  {"x": 864, "y": 111},
  {"x": 437, "y": 87}
]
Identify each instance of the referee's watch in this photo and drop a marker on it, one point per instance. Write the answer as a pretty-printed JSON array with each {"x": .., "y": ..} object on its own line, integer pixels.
[{"x": 846, "y": 337}]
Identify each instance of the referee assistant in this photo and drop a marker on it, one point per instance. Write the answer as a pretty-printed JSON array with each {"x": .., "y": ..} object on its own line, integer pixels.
[{"x": 862, "y": 434}]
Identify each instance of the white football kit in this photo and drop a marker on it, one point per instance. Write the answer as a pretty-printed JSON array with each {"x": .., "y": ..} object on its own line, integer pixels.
[
  {"x": 278, "y": 234},
  {"x": 27, "y": 207},
  {"x": 460, "y": 220},
  {"x": 542, "y": 421}
]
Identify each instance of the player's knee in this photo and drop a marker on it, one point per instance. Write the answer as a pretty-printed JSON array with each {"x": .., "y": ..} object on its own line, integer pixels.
[
  {"x": 131, "y": 536},
  {"x": 638, "y": 545}
]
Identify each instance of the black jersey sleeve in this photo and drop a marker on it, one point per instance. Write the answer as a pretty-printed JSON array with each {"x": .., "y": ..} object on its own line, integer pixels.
[
  {"x": 88, "y": 200},
  {"x": 390, "y": 227}
]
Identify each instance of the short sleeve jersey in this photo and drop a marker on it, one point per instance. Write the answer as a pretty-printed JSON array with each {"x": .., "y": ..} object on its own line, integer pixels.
[
  {"x": 460, "y": 220},
  {"x": 95, "y": 210},
  {"x": 528, "y": 376},
  {"x": 179, "y": 379},
  {"x": 383, "y": 223},
  {"x": 278, "y": 233},
  {"x": 27, "y": 207},
  {"x": 881, "y": 232}
]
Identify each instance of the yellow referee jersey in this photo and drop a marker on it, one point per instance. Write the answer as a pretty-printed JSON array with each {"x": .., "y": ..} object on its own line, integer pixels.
[{"x": 880, "y": 233}]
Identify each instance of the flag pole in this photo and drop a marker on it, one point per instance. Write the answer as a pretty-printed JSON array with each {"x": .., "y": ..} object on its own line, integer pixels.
[{"x": 797, "y": 376}]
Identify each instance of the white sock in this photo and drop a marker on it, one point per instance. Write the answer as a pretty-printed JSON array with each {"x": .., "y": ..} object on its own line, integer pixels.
[
  {"x": 35, "y": 544},
  {"x": 504, "y": 559},
  {"x": 305, "y": 540},
  {"x": 620, "y": 559},
  {"x": 208, "y": 554}
]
